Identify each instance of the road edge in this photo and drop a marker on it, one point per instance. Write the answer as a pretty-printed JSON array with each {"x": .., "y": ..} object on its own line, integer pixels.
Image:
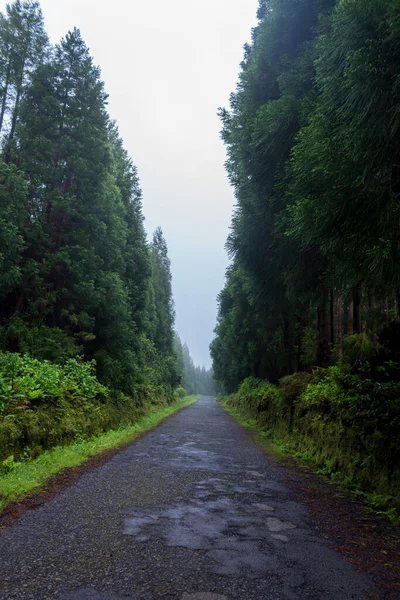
[{"x": 55, "y": 484}]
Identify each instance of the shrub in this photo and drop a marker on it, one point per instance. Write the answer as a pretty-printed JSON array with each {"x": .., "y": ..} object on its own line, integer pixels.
[
  {"x": 357, "y": 348},
  {"x": 180, "y": 392},
  {"x": 324, "y": 391},
  {"x": 341, "y": 418},
  {"x": 25, "y": 381},
  {"x": 309, "y": 345},
  {"x": 8, "y": 465},
  {"x": 356, "y": 397},
  {"x": 292, "y": 386},
  {"x": 255, "y": 394},
  {"x": 43, "y": 404}
]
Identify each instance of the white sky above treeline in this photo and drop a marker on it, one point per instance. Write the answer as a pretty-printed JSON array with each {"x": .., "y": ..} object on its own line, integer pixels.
[{"x": 167, "y": 67}]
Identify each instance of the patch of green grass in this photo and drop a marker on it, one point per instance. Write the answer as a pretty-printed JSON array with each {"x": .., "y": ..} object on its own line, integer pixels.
[
  {"x": 24, "y": 478},
  {"x": 264, "y": 437}
]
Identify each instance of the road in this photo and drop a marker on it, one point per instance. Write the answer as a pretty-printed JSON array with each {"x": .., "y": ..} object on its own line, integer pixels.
[{"x": 194, "y": 510}]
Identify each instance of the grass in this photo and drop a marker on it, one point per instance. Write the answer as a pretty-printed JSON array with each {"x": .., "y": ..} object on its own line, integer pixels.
[
  {"x": 29, "y": 477},
  {"x": 262, "y": 436}
]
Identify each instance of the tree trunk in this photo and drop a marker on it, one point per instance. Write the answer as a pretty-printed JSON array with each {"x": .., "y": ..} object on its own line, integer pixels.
[
  {"x": 371, "y": 299},
  {"x": 386, "y": 310},
  {"x": 349, "y": 320},
  {"x": 21, "y": 295},
  {"x": 332, "y": 317},
  {"x": 7, "y": 154},
  {"x": 301, "y": 323},
  {"x": 339, "y": 325},
  {"x": 4, "y": 101},
  {"x": 356, "y": 310},
  {"x": 323, "y": 324},
  {"x": 15, "y": 116},
  {"x": 56, "y": 158}
]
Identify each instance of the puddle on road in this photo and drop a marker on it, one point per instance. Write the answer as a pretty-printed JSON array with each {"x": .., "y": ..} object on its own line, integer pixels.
[
  {"x": 282, "y": 538},
  {"x": 255, "y": 474},
  {"x": 274, "y": 524},
  {"x": 235, "y": 534},
  {"x": 264, "y": 507},
  {"x": 194, "y": 455}
]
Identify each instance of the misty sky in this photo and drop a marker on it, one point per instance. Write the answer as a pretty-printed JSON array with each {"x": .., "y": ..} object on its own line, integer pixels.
[{"x": 168, "y": 66}]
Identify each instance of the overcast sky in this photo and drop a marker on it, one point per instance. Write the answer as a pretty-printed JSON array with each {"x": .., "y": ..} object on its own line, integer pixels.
[{"x": 168, "y": 66}]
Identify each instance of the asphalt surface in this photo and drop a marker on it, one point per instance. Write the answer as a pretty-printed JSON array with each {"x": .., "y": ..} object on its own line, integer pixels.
[{"x": 195, "y": 510}]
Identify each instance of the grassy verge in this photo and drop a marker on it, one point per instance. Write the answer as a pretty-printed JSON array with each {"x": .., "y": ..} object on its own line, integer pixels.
[
  {"x": 382, "y": 505},
  {"x": 261, "y": 435},
  {"x": 28, "y": 477}
]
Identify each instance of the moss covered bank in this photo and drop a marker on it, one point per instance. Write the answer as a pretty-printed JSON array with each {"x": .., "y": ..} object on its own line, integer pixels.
[{"x": 349, "y": 427}]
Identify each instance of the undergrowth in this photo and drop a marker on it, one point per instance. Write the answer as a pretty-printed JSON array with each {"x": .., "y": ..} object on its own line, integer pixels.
[
  {"x": 341, "y": 421},
  {"x": 43, "y": 405}
]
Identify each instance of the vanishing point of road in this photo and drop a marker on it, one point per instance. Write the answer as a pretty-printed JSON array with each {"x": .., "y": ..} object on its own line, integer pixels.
[{"x": 194, "y": 510}]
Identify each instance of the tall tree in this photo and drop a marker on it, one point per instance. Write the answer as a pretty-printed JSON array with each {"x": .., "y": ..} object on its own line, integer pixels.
[
  {"x": 162, "y": 284},
  {"x": 77, "y": 273},
  {"x": 23, "y": 45},
  {"x": 312, "y": 141}
]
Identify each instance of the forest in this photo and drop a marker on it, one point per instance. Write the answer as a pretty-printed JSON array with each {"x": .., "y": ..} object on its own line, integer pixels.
[
  {"x": 86, "y": 305},
  {"x": 312, "y": 291},
  {"x": 312, "y": 136}
]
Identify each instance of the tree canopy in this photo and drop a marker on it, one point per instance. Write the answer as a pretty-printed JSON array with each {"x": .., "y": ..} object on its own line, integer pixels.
[
  {"x": 312, "y": 136},
  {"x": 77, "y": 275}
]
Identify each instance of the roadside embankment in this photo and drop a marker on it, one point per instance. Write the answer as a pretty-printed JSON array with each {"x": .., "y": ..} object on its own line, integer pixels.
[
  {"x": 53, "y": 417},
  {"x": 43, "y": 404},
  {"x": 348, "y": 426},
  {"x": 21, "y": 479}
]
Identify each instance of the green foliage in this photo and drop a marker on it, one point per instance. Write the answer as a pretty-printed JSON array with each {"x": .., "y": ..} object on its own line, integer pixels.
[
  {"x": 43, "y": 405},
  {"x": 292, "y": 386},
  {"x": 77, "y": 276},
  {"x": 19, "y": 479},
  {"x": 309, "y": 345},
  {"x": 338, "y": 418},
  {"x": 161, "y": 281},
  {"x": 257, "y": 394},
  {"x": 326, "y": 392},
  {"x": 12, "y": 196},
  {"x": 312, "y": 142},
  {"x": 357, "y": 397},
  {"x": 358, "y": 348},
  {"x": 8, "y": 465},
  {"x": 180, "y": 392},
  {"x": 25, "y": 381}
]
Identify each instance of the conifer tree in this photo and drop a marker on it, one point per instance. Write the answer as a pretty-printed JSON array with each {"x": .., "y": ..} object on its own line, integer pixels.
[
  {"x": 311, "y": 136},
  {"x": 23, "y": 45},
  {"x": 162, "y": 284},
  {"x": 77, "y": 273}
]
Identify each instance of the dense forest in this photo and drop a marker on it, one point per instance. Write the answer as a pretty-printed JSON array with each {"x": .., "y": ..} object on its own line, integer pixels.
[
  {"x": 308, "y": 333},
  {"x": 78, "y": 278},
  {"x": 312, "y": 136}
]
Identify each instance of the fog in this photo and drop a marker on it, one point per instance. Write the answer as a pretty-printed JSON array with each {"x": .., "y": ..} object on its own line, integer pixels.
[{"x": 167, "y": 67}]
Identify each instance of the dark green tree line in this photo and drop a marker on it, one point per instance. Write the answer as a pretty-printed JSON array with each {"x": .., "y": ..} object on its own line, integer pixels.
[
  {"x": 77, "y": 276},
  {"x": 313, "y": 153}
]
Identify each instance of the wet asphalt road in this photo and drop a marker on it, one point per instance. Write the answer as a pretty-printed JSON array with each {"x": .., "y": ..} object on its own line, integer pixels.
[{"x": 193, "y": 511}]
